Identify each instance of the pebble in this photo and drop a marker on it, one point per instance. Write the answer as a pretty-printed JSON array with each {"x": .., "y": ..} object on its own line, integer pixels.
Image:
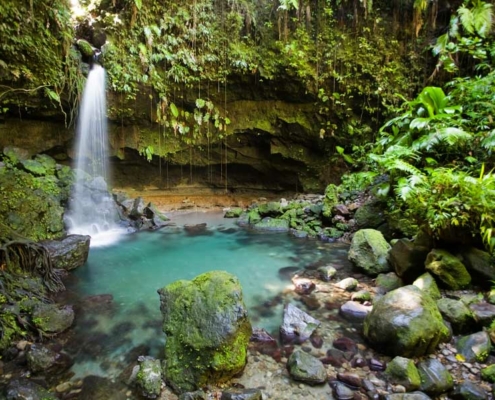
[
  {"x": 398, "y": 389},
  {"x": 63, "y": 387}
]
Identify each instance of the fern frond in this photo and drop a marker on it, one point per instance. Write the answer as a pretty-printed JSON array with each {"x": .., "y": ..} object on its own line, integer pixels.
[
  {"x": 467, "y": 19},
  {"x": 489, "y": 141},
  {"x": 403, "y": 166},
  {"x": 451, "y": 136},
  {"x": 482, "y": 18}
]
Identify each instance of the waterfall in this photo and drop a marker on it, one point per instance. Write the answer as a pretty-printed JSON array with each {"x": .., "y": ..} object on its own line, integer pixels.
[{"x": 92, "y": 210}]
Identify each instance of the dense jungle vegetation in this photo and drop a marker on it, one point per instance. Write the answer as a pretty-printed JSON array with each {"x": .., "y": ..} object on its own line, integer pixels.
[{"x": 425, "y": 67}]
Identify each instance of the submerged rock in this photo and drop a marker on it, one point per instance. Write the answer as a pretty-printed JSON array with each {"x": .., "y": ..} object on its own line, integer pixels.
[
  {"x": 205, "y": 321},
  {"x": 241, "y": 394},
  {"x": 297, "y": 326},
  {"x": 51, "y": 318},
  {"x": 405, "y": 322},
  {"x": 369, "y": 251},
  {"x": 306, "y": 368},
  {"x": 269, "y": 224}
]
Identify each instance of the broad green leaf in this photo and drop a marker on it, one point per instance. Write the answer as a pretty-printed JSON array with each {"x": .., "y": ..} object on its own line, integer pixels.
[{"x": 174, "y": 110}]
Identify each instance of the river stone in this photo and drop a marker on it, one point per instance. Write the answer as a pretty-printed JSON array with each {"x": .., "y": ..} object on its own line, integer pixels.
[
  {"x": 407, "y": 396},
  {"x": 484, "y": 313},
  {"x": 41, "y": 358},
  {"x": 457, "y": 313},
  {"x": 469, "y": 391},
  {"x": 448, "y": 269},
  {"x": 306, "y": 368},
  {"x": 327, "y": 272},
  {"x": 70, "y": 252},
  {"x": 388, "y": 281},
  {"x": 474, "y": 347},
  {"x": 354, "y": 311},
  {"x": 52, "y": 318},
  {"x": 405, "y": 322},
  {"x": 207, "y": 329},
  {"x": 297, "y": 326},
  {"x": 435, "y": 378},
  {"x": 234, "y": 212},
  {"x": 369, "y": 251},
  {"x": 480, "y": 262},
  {"x": 408, "y": 259},
  {"x": 241, "y": 394},
  {"x": 25, "y": 389},
  {"x": 149, "y": 377},
  {"x": 269, "y": 224},
  {"x": 348, "y": 284},
  {"x": 402, "y": 371},
  {"x": 427, "y": 284},
  {"x": 341, "y": 391}
]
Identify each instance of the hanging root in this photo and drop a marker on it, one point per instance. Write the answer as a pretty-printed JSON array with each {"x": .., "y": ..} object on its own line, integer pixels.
[{"x": 33, "y": 258}]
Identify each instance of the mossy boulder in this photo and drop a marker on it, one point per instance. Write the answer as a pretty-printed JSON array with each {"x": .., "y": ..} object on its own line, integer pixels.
[
  {"x": 330, "y": 200},
  {"x": 270, "y": 209},
  {"x": 448, "y": 269},
  {"x": 408, "y": 259},
  {"x": 70, "y": 252},
  {"x": 306, "y": 368},
  {"x": 369, "y": 251},
  {"x": 405, "y": 322},
  {"x": 254, "y": 216},
  {"x": 370, "y": 214},
  {"x": 403, "y": 371},
  {"x": 475, "y": 347},
  {"x": 427, "y": 284},
  {"x": 51, "y": 318},
  {"x": 480, "y": 263},
  {"x": 389, "y": 281},
  {"x": 488, "y": 373},
  {"x": 234, "y": 212},
  {"x": 149, "y": 377},
  {"x": 435, "y": 378},
  {"x": 457, "y": 313},
  {"x": 85, "y": 48},
  {"x": 269, "y": 224},
  {"x": 207, "y": 330}
]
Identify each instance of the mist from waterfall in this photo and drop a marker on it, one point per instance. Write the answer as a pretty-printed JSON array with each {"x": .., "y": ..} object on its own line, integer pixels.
[{"x": 92, "y": 210}]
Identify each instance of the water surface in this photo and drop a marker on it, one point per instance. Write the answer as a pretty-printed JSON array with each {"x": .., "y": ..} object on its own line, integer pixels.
[{"x": 133, "y": 270}]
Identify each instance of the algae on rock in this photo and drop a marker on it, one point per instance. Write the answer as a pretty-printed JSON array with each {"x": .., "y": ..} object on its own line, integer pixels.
[{"x": 207, "y": 330}]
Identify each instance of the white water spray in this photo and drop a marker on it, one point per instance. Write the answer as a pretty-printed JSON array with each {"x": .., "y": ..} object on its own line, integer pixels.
[{"x": 92, "y": 210}]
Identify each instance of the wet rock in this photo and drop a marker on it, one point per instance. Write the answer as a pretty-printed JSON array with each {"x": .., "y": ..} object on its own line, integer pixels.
[
  {"x": 484, "y": 313},
  {"x": 435, "y": 378},
  {"x": 345, "y": 344},
  {"x": 377, "y": 365},
  {"x": 306, "y": 368},
  {"x": 297, "y": 326},
  {"x": 480, "y": 263},
  {"x": 407, "y": 396},
  {"x": 234, "y": 212},
  {"x": 350, "y": 379},
  {"x": 197, "y": 229},
  {"x": 370, "y": 214},
  {"x": 52, "y": 318},
  {"x": 207, "y": 329},
  {"x": 70, "y": 252},
  {"x": 388, "y": 282},
  {"x": 24, "y": 389},
  {"x": 243, "y": 219},
  {"x": 41, "y": 358},
  {"x": 448, "y": 269},
  {"x": 298, "y": 233},
  {"x": 97, "y": 387},
  {"x": 408, "y": 259},
  {"x": 361, "y": 296},
  {"x": 354, "y": 311},
  {"x": 341, "y": 391},
  {"x": 152, "y": 214},
  {"x": 149, "y": 377},
  {"x": 457, "y": 314},
  {"x": 197, "y": 395},
  {"x": 427, "y": 284},
  {"x": 475, "y": 347},
  {"x": 402, "y": 371},
  {"x": 269, "y": 224},
  {"x": 303, "y": 286},
  {"x": 326, "y": 273},
  {"x": 369, "y": 251},
  {"x": 405, "y": 322},
  {"x": 311, "y": 302},
  {"x": 469, "y": 391},
  {"x": 316, "y": 341},
  {"x": 348, "y": 284},
  {"x": 241, "y": 394},
  {"x": 334, "y": 357}
]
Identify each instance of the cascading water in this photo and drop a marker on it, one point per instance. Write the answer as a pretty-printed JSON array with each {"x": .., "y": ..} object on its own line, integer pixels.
[{"x": 92, "y": 210}]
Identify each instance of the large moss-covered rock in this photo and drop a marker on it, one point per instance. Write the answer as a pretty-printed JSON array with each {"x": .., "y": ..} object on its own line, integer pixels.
[
  {"x": 51, "y": 318},
  {"x": 207, "y": 330},
  {"x": 269, "y": 224},
  {"x": 480, "y": 263},
  {"x": 369, "y": 251},
  {"x": 448, "y": 268},
  {"x": 70, "y": 252},
  {"x": 405, "y": 322}
]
